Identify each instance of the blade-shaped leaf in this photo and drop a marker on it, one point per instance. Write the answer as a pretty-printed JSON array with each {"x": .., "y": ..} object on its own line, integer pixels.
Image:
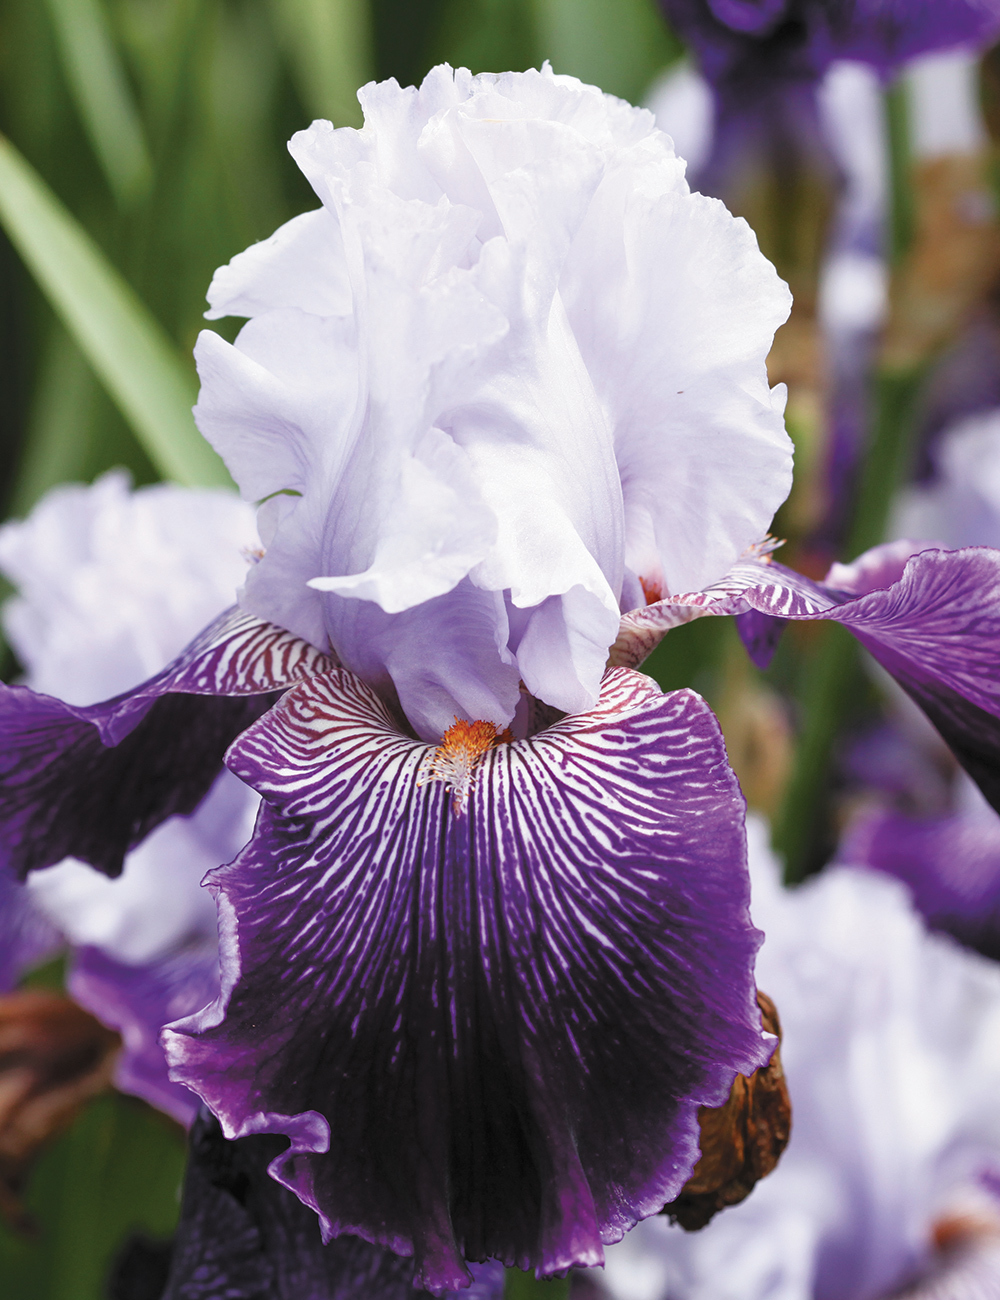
[
  {"x": 619, "y": 47},
  {"x": 329, "y": 47},
  {"x": 102, "y": 96},
  {"x": 128, "y": 349}
]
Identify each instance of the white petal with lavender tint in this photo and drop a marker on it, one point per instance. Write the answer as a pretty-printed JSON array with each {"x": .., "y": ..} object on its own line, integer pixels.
[
  {"x": 546, "y": 385},
  {"x": 113, "y": 583}
]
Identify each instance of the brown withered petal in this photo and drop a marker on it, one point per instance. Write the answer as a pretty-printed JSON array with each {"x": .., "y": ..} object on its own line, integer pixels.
[
  {"x": 54, "y": 1057},
  {"x": 741, "y": 1141}
]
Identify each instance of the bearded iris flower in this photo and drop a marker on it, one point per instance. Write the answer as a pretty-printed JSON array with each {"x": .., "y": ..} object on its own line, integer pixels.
[{"x": 488, "y": 950}]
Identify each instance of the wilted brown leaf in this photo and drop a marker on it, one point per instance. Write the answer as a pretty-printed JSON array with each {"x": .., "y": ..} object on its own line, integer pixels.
[
  {"x": 53, "y": 1058},
  {"x": 741, "y": 1141}
]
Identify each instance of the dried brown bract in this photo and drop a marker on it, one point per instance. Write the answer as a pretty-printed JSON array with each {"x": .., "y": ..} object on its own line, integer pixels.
[
  {"x": 741, "y": 1141},
  {"x": 53, "y": 1058}
]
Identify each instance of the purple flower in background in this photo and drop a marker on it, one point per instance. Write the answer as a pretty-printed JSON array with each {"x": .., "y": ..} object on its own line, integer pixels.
[
  {"x": 950, "y": 862},
  {"x": 488, "y": 948},
  {"x": 765, "y": 58},
  {"x": 891, "y": 1048},
  {"x": 111, "y": 585}
]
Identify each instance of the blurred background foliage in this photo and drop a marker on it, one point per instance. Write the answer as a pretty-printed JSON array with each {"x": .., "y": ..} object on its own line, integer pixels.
[
  {"x": 143, "y": 145},
  {"x": 161, "y": 126}
]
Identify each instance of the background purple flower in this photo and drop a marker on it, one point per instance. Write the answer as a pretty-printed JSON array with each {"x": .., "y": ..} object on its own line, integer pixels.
[{"x": 891, "y": 1048}]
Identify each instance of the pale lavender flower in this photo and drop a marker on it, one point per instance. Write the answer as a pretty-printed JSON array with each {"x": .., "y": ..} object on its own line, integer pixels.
[
  {"x": 891, "y": 1049},
  {"x": 111, "y": 584}
]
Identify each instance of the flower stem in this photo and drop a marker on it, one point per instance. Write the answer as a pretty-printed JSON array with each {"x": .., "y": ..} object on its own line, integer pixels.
[{"x": 832, "y": 678}]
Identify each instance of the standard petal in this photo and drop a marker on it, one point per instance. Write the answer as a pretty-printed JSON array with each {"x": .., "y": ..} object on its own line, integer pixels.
[
  {"x": 301, "y": 265},
  {"x": 934, "y": 625},
  {"x": 674, "y": 332},
  {"x": 91, "y": 782},
  {"x": 243, "y": 1237},
  {"x": 487, "y": 1032},
  {"x": 444, "y": 659}
]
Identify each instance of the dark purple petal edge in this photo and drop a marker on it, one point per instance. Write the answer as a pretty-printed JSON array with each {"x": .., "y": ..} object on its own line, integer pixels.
[
  {"x": 242, "y": 1236},
  {"x": 91, "y": 782}
]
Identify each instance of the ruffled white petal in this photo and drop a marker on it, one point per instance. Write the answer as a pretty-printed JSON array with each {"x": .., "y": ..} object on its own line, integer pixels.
[
  {"x": 113, "y": 583},
  {"x": 301, "y": 265},
  {"x": 529, "y": 370}
]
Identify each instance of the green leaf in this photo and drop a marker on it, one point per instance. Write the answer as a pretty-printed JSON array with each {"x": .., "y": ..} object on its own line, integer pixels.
[
  {"x": 116, "y": 1171},
  {"x": 833, "y": 678},
  {"x": 329, "y": 47},
  {"x": 59, "y": 430},
  {"x": 102, "y": 95},
  {"x": 619, "y": 47},
  {"x": 525, "y": 1286},
  {"x": 131, "y": 353}
]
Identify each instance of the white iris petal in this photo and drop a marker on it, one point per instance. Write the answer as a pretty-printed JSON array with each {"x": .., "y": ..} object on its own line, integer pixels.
[{"x": 515, "y": 369}]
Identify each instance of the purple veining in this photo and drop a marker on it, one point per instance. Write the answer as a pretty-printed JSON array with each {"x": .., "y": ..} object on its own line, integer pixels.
[{"x": 486, "y": 1032}]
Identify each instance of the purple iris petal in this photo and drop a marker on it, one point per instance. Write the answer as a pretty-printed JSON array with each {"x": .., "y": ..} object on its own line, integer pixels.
[
  {"x": 91, "y": 782},
  {"x": 25, "y": 935},
  {"x": 760, "y": 634},
  {"x": 934, "y": 625},
  {"x": 886, "y": 33},
  {"x": 244, "y": 1237},
  {"x": 138, "y": 1001},
  {"x": 762, "y": 41},
  {"x": 755, "y": 17},
  {"x": 486, "y": 1029},
  {"x": 951, "y": 864}
]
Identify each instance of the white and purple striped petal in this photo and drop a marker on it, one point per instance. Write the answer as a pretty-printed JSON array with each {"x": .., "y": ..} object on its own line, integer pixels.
[
  {"x": 932, "y": 620},
  {"x": 91, "y": 781},
  {"x": 485, "y": 1010}
]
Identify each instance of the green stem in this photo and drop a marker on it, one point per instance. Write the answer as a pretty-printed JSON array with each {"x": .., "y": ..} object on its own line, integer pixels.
[
  {"x": 888, "y": 459},
  {"x": 902, "y": 218},
  {"x": 802, "y": 832},
  {"x": 525, "y": 1286},
  {"x": 802, "y": 835}
]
